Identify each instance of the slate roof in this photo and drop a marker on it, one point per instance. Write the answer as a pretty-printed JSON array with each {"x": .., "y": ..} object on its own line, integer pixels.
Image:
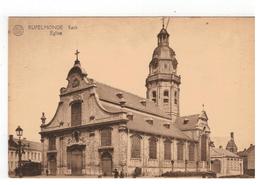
[
  {"x": 109, "y": 94},
  {"x": 139, "y": 123},
  {"x": 221, "y": 152},
  {"x": 246, "y": 151},
  {"x": 187, "y": 122},
  {"x": 32, "y": 144}
]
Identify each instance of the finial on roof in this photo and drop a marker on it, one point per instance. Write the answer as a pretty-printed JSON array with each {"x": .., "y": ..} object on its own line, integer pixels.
[
  {"x": 203, "y": 107},
  {"x": 43, "y": 118},
  {"x": 77, "y": 54},
  {"x": 77, "y": 57}
]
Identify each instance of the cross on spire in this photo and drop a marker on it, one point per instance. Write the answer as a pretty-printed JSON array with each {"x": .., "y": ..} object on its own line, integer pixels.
[{"x": 77, "y": 54}]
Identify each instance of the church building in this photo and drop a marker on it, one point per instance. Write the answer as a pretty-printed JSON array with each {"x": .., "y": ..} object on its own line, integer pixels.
[{"x": 98, "y": 128}]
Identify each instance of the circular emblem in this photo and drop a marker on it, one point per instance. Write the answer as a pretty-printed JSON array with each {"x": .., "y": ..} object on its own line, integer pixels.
[{"x": 18, "y": 30}]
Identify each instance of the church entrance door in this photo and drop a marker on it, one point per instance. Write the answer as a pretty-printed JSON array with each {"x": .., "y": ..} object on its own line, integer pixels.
[
  {"x": 106, "y": 164},
  {"x": 53, "y": 164},
  {"x": 76, "y": 162}
]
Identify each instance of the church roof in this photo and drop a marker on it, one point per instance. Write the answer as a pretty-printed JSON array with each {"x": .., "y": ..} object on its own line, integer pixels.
[
  {"x": 221, "y": 152},
  {"x": 110, "y": 94},
  {"x": 187, "y": 122},
  {"x": 139, "y": 123}
]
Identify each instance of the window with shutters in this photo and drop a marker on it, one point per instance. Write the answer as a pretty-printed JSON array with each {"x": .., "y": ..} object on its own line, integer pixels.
[
  {"x": 167, "y": 150},
  {"x": 52, "y": 144},
  {"x": 191, "y": 152},
  {"x": 180, "y": 146},
  {"x": 76, "y": 114},
  {"x": 106, "y": 137},
  {"x": 135, "y": 146},
  {"x": 153, "y": 148}
]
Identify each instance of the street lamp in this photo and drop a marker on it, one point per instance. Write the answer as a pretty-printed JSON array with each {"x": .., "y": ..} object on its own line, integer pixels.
[{"x": 19, "y": 133}]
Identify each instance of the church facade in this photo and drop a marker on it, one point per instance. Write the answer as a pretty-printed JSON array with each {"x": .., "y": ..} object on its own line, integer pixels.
[{"x": 98, "y": 128}]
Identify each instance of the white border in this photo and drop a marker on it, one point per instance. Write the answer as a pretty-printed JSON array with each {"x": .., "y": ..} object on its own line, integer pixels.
[{"x": 109, "y": 8}]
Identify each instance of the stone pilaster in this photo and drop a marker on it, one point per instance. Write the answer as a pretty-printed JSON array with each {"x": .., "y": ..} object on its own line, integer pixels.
[{"x": 123, "y": 147}]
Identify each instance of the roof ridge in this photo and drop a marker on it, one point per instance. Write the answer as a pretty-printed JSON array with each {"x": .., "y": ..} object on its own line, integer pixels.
[
  {"x": 190, "y": 115},
  {"x": 124, "y": 91}
]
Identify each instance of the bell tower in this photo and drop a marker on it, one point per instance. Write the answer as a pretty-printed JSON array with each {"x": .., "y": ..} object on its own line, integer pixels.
[{"x": 163, "y": 82}]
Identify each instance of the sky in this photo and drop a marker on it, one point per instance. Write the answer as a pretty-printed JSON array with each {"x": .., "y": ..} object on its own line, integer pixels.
[{"x": 215, "y": 60}]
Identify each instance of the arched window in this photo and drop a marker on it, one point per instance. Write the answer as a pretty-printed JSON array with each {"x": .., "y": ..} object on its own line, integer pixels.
[
  {"x": 180, "y": 151},
  {"x": 106, "y": 137},
  {"x": 191, "y": 151},
  {"x": 166, "y": 93},
  {"x": 204, "y": 147},
  {"x": 76, "y": 113},
  {"x": 166, "y": 96},
  {"x": 167, "y": 149},
  {"x": 153, "y": 148},
  {"x": 52, "y": 145},
  {"x": 154, "y": 96},
  {"x": 175, "y": 97},
  {"x": 135, "y": 146}
]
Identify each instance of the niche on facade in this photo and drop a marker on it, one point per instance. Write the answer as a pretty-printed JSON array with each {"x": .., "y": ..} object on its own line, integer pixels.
[{"x": 76, "y": 139}]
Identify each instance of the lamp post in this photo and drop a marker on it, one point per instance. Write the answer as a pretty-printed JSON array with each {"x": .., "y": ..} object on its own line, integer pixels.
[{"x": 19, "y": 133}]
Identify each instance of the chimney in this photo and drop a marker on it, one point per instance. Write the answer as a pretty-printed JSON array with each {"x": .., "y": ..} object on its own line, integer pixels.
[{"x": 232, "y": 135}]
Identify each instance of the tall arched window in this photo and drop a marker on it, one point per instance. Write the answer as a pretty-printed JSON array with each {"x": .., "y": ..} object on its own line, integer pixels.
[
  {"x": 76, "y": 113},
  {"x": 175, "y": 97},
  {"x": 135, "y": 146},
  {"x": 154, "y": 96},
  {"x": 166, "y": 93},
  {"x": 167, "y": 149},
  {"x": 52, "y": 144},
  {"x": 180, "y": 151},
  {"x": 204, "y": 147},
  {"x": 153, "y": 148},
  {"x": 191, "y": 151},
  {"x": 165, "y": 96},
  {"x": 106, "y": 137}
]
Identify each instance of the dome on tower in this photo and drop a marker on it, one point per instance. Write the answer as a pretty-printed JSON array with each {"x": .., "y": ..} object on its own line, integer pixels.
[
  {"x": 231, "y": 145},
  {"x": 163, "y": 52}
]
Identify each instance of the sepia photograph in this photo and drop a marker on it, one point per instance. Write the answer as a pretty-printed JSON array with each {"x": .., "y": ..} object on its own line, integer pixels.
[{"x": 131, "y": 97}]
